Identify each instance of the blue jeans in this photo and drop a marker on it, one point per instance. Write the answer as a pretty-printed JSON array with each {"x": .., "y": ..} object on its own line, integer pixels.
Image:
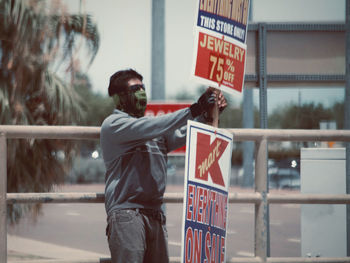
[{"x": 138, "y": 236}]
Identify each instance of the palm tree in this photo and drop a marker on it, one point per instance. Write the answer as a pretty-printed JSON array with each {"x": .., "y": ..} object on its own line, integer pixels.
[{"x": 38, "y": 55}]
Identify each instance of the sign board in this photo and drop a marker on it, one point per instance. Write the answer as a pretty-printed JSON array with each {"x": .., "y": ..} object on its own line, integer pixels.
[
  {"x": 220, "y": 43},
  {"x": 161, "y": 108},
  {"x": 207, "y": 171},
  {"x": 228, "y": 17}
]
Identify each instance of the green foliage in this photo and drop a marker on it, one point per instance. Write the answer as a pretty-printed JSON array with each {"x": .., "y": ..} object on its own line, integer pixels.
[
  {"x": 95, "y": 106},
  {"x": 307, "y": 116},
  {"x": 231, "y": 118},
  {"x": 37, "y": 40},
  {"x": 338, "y": 114}
]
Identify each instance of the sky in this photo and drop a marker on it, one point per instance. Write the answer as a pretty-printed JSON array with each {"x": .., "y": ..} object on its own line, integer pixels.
[{"x": 125, "y": 30}]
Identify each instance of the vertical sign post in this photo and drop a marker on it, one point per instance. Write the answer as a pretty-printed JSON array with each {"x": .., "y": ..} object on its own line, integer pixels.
[
  {"x": 3, "y": 191},
  {"x": 207, "y": 171},
  {"x": 158, "y": 50},
  {"x": 347, "y": 113}
]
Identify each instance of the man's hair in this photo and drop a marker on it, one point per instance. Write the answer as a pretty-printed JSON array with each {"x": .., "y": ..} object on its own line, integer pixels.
[{"x": 119, "y": 81}]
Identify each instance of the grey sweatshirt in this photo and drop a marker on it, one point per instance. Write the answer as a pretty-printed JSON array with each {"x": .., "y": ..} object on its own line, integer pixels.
[{"x": 135, "y": 155}]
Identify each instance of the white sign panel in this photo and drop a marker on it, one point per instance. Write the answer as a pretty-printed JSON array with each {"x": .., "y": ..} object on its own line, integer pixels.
[
  {"x": 220, "y": 44},
  {"x": 207, "y": 174}
]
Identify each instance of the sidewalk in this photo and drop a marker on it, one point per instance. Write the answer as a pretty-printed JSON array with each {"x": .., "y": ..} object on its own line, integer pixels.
[{"x": 27, "y": 250}]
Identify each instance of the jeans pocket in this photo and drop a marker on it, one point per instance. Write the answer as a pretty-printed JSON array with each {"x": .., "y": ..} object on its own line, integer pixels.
[
  {"x": 119, "y": 219},
  {"x": 125, "y": 216}
]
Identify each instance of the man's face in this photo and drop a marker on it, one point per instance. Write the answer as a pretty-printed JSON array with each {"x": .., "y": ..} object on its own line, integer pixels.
[{"x": 136, "y": 98}]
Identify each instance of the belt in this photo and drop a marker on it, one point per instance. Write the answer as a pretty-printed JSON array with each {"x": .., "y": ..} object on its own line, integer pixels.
[{"x": 155, "y": 214}]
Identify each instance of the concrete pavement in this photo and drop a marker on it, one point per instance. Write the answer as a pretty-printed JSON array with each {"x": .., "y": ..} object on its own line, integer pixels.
[
  {"x": 62, "y": 227},
  {"x": 21, "y": 249}
]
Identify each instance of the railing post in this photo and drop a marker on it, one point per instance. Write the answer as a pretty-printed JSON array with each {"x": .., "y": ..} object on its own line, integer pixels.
[
  {"x": 261, "y": 208},
  {"x": 3, "y": 191}
]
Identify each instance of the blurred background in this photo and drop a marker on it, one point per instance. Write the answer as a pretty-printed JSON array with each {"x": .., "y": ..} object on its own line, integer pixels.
[
  {"x": 56, "y": 59},
  {"x": 57, "y": 56}
]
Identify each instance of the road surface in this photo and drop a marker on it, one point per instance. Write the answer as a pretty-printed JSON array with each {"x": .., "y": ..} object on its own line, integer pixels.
[{"x": 82, "y": 226}]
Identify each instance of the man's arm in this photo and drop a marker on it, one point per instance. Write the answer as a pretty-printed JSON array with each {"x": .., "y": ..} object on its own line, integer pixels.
[{"x": 121, "y": 128}]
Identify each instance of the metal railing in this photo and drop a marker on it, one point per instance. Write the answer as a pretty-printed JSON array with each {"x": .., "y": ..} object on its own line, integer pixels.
[{"x": 261, "y": 198}]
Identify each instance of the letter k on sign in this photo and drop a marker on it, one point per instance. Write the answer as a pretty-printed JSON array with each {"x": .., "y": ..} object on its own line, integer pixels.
[{"x": 207, "y": 159}]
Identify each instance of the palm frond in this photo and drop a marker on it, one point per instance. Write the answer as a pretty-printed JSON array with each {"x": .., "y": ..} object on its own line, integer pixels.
[
  {"x": 5, "y": 108},
  {"x": 75, "y": 25},
  {"x": 63, "y": 101},
  {"x": 32, "y": 39}
]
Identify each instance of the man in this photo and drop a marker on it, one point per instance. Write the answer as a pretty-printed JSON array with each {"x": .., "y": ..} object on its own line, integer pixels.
[{"x": 135, "y": 150}]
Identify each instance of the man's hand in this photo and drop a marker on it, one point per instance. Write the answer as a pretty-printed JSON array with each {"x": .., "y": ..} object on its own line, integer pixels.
[
  {"x": 222, "y": 103},
  {"x": 205, "y": 102},
  {"x": 219, "y": 98},
  {"x": 208, "y": 100},
  {"x": 212, "y": 115}
]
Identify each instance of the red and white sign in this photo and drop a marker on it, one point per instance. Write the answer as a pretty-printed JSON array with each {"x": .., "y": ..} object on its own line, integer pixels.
[
  {"x": 221, "y": 62},
  {"x": 220, "y": 44},
  {"x": 161, "y": 108},
  {"x": 207, "y": 174}
]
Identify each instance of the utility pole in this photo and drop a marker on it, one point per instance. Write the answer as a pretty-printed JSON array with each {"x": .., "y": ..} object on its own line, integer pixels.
[
  {"x": 248, "y": 147},
  {"x": 158, "y": 50},
  {"x": 248, "y": 122},
  {"x": 347, "y": 113}
]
